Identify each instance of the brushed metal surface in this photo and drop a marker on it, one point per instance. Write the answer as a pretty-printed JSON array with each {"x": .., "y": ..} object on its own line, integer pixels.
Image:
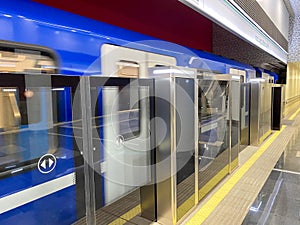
[{"x": 254, "y": 113}]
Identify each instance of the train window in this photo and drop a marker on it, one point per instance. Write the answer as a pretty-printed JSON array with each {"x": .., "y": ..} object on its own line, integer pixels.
[
  {"x": 35, "y": 113},
  {"x": 15, "y": 58},
  {"x": 26, "y": 105},
  {"x": 128, "y": 69},
  {"x": 129, "y": 112},
  {"x": 24, "y": 61}
]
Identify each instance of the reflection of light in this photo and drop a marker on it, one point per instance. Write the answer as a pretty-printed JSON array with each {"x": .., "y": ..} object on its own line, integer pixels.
[
  {"x": 257, "y": 80},
  {"x": 8, "y": 16},
  {"x": 73, "y": 31},
  {"x": 192, "y": 59},
  {"x": 28, "y": 94},
  {"x": 48, "y": 67},
  {"x": 9, "y": 90},
  {"x": 58, "y": 89},
  {"x": 127, "y": 64},
  {"x": 236, "y": 77},
  {"x": 255, "y": 209},
  {"x": 8, "y": 65},
  {"x": 10, "y": 167},
  {"x": 17, "y": 170},
  {"x": 168, "y": 71}
]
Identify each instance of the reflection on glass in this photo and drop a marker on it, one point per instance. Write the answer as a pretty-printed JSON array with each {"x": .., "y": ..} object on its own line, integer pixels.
[
  {"x": 213, "y": 103},
  {"x": 185, "y": 145},
  {"x": 120, "y": 120},
  {"x": 30, "y": 61},
  {"x": 37, "y": 118}
]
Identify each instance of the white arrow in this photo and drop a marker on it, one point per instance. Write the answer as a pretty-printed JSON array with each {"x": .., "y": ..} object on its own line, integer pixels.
[
  {"x": 43, "y": 164},
  {"x": 50, "y": 162}
]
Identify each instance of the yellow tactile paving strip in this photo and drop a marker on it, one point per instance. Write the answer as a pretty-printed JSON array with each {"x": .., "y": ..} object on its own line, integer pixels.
[
  {"x": 291, "y": 108},
  {"x": 231, "y": 202},
  {"x": 127, "y": 216},
  {"x": 240, "y": 198},
  {"x": 215, "y": 213}
]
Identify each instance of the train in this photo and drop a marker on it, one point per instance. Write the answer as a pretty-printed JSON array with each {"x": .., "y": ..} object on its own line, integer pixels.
[{"x": 80, "y": 91}]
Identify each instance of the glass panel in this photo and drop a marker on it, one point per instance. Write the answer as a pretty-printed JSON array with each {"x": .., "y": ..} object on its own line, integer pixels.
[
  {"x": 214, "y": 121},
  {"x": 40, "y": 158},
  {"x": 185, "y": 150},
  {"x": 122, "y": 147}
]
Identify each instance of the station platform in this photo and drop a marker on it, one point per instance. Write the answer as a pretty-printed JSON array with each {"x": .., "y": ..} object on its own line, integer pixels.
[{"x": 265, "y": 188}]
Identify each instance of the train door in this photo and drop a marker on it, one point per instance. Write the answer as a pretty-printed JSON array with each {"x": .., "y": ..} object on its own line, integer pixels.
[
  {"x": 40, "y": 139},
  {"x": 119, "y": 149},
  {"x": 219, "y": 116},
  {"x": 244, "y": 110},
  {"x": 121, "y": 112},
  {"x": 36, "y": 159}
]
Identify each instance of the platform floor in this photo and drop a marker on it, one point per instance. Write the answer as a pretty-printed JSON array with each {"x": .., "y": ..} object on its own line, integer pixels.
[
  {"x": 278, "y": 203},
  {"x": 265, "y": 189}
]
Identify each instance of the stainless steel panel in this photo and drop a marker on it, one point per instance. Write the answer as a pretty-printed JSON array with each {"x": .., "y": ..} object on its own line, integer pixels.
[
  {"x": 265, "y": 108},
  {"x": 283, "y": 100},
  {"x": 165, "y": 196},
  {"x": 235, "y": 123},
  {"x": 185, "y": 147},
  {"x": 175, "y": 138},
  {"x": 196, "y": 141},
  {"x": 254, "y": 112},
  {"x": 245, "y": 114},
  {"x": 88, "y": 150}
]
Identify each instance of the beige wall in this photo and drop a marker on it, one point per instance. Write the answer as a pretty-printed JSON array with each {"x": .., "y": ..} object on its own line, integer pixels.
[{"x": 293, "y": 80}]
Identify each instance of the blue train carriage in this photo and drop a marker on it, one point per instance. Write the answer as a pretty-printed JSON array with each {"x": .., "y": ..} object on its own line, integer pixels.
[
  {"x": 81, "y": 47},
  {"x": 72, "y": 57},
  {"x": 48, "y": 124},
  {"x": 36, "y": 120}
]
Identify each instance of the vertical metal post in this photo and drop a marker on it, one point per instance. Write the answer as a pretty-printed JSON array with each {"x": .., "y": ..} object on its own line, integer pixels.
[
  {"x": 173, "y": 149},
  {"x": 196, "y": 119},
  {"x": 240, "y": 121},
  {"x": 88, "y": 150},
  {"x": 149, "y": 192},
  {"x": 230, "y": 124}
]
